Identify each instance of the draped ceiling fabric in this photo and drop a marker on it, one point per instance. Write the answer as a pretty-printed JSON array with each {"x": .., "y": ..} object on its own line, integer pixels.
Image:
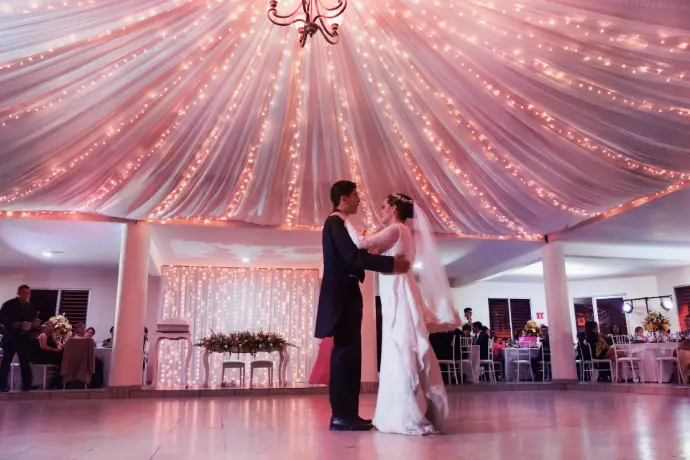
[{"x": 501, "y": 117}]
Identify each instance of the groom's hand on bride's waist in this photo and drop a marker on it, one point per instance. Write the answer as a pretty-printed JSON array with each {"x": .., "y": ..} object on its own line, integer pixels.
[{"x": 400, "y": 264}]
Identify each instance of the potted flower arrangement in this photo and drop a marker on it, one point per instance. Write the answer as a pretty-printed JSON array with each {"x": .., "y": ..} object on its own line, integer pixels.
[
  {"x": 530, "y": 332},
  {"x": 61, "y": 327},
  {"x": 243, "y": 342},
  {"x": 655, "y": 323}
]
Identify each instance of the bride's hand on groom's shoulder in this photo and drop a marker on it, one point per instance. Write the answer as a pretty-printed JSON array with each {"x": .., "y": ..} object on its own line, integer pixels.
[{"x": 400, "y": 264}]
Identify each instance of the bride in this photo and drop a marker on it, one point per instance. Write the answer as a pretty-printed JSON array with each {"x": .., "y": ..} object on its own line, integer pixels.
[{"x": 412, "y": 399}]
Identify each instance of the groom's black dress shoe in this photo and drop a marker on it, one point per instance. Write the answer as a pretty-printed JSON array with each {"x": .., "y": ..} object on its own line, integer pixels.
[
  {"x": 341, "y": 424},
  {"x": 366, "y": 421}
]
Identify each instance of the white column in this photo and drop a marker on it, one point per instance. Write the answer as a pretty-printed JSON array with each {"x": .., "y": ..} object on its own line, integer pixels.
[
  {"x": 369, "y": 359},
  {"x": 127, "y": 362},
  {"x": 557, "y": 305}
]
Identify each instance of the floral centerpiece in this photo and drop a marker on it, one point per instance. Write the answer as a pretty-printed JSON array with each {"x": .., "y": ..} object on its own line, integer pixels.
[
  {"x": 244, "y": 342},
  {"x": 61, "y": 327},
  {"x": 531, "y": 329},
  {"x": 656, "y": 322}
]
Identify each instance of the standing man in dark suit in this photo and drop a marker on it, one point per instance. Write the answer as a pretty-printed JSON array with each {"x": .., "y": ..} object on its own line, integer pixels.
[
  {"x": 14, "y": 314},
  {"x": 339, "y": 313}
]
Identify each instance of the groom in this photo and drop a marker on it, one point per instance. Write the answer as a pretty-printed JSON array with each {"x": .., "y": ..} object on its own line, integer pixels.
[{"x": 340, "y": 306}]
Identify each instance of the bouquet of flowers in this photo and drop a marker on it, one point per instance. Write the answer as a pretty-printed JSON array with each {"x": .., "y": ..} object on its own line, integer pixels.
[
  {"x": 246, "y": 342},
  {"x": 61, "y": 327},
  {"x": 531, "y": 329},
  {"x": 656, "y": 322}
]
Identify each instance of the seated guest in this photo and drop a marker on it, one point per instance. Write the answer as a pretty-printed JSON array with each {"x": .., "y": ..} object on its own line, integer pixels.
[
  {"x": 544, "y": 354},
  {"x": 600, "y": 347},
  {"x": 481, "y": 338},
  {"x": 108, "y": 343},
  {"x": 90, "y": 332},
  {"x": 466, "y": 330},
  {"x": 48, "y": 351},
  {"x": 684, "y": 349},
  {"x": 639, "y": 335},
  {"x": 78, "y": 331}
]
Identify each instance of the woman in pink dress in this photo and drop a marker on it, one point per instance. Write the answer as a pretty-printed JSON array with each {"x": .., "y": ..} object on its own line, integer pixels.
[{"x": 321, "y": 373}]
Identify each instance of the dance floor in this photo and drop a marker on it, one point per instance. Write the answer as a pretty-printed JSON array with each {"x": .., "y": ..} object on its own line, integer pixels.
[{"x": 493, "y": 425}]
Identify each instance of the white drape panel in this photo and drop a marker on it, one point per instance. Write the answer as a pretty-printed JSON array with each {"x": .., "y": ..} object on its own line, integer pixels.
[
  {"x": 502, "y": 118},
  {"x": 239, "y": 299}
]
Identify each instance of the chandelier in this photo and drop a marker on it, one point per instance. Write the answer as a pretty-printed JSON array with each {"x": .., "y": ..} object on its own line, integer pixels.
[{"x": 311, "y": 16}]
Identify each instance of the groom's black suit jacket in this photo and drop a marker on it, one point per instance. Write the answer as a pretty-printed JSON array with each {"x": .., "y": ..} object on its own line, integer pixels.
[{"x": 342, "y": 261}]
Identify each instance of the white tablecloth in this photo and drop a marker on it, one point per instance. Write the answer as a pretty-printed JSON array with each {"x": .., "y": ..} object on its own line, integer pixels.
[
  {"x": 649, "y": 352},
  {"x": 510, "y": 355},
  {"x": 105, "y": 355}
]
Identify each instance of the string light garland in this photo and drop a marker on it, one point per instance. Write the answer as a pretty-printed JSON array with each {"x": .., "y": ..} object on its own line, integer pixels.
[
  {"x": 238, "y": 299},
  {"x": 505, "y": 120}
]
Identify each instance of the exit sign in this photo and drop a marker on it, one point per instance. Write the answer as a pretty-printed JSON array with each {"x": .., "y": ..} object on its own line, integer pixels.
[{"x": 540, "y": 315}]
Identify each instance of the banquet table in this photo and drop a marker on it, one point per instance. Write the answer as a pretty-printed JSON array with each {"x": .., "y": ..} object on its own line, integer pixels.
[
  {"x": 649, "y": 352},
  {"x": 510, "y": 355},
  {"x": 283, "y": 356}
]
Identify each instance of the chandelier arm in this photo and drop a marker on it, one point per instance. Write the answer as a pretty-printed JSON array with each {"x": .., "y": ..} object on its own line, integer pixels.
[{"x": 331, "y": 37}]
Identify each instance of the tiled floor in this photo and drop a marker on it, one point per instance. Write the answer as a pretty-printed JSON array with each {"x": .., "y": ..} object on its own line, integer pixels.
[{"x": 514, "y": 425}]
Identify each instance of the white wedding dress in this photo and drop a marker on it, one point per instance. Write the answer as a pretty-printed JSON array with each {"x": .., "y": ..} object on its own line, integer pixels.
[{"x": 412, "y": 399}]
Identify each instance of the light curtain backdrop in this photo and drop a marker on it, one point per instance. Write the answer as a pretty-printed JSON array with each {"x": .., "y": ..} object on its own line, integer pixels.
[{"x": 238, "y": 299}]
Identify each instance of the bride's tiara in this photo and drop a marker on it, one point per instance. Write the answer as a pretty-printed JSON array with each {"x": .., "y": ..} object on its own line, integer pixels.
[{"x": 403, "y": 199}]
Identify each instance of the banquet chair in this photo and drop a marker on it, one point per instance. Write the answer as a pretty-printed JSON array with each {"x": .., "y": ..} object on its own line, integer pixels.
[
  {"x": 46, "y": 367},
  {"x": 595, "y": 365},
  {"x": 261, "y": 364},
  {"x": 623, "y": 351},
  {"x": 546, "y": 365},
  {"x": 524, "y": 358},
  {"x": 673, "y": 359},
  {"x": 449, "y": 365},
  {"x": 232, "y": 364},
  {"x": 486, "y": 366},
  {"x": 466, "y": 350}
]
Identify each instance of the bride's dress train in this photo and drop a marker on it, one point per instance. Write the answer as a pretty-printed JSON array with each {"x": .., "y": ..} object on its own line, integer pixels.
[{"x": 412, "y": 398}]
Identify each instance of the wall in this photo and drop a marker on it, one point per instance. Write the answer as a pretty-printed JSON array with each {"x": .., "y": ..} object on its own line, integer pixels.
[
  {"x": 101, "y": 283},
  {"x": 476, "y": 295},
  {"x": 667, "y": 281}
]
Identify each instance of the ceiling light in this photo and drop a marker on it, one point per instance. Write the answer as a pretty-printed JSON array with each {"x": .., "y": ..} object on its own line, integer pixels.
[
  {"x": 310, "y": 16},
  {"x": 628, "y": 306},
  {"x": 417, "y": 265},
  {"x": 245, "y": 260},
  {"x": 47, "y": 254},
  {"x": 667, "y": 304}
]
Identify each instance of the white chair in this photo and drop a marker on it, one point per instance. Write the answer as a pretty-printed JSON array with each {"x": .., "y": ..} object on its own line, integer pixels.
[
  {"x": 46, "y": 368},
  {"x": 232, "y": 364},
  {"x": 261, "y": 364},
  {"x": 449, "y": 365},
  {"x": 623, "y": 350},
  {"x": 487, "y": 366},
  {"x": 144, "y": 375},
  {"x": 546, "y": 364},
  {"x": 524, "y": 358},
  {"x": 672, "y": 339},
  {"x": 597, "y": 363},
  {"x": 466, "y": 350}
]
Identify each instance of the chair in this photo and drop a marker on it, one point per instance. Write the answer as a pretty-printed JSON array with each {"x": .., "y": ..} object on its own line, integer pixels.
[
  {"x": 486, "y": 366},
  {"x": 450, "y": 365},
  {"x": 261, "y": 364},
  {"x": 524, "y": 357},
  {"x": 46, "y": 368},
  {"x": 673, "y": 359},
  {"x": 144, "y": 375},
  {"x": 546, "y": 364},
  {"x": 595, "y": 364},
  {"x": 623, "y": 346},
  {"x": 233, "y": 364},
  {"x": 465, "y": 350}
]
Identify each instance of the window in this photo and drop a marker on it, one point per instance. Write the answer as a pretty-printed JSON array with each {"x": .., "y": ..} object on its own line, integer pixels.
[
  {"x": 683, "y": 303},
  {"x": 606, "y": 311},
  {"x": 508, "y": 315},
  {"x": 72, "y": 303}
]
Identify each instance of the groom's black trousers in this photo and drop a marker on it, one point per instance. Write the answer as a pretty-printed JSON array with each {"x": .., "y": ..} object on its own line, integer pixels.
[{"x": 346, "y": 357}]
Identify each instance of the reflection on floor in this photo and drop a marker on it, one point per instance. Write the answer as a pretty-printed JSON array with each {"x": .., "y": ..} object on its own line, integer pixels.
[{"x": 512, "y": 425}]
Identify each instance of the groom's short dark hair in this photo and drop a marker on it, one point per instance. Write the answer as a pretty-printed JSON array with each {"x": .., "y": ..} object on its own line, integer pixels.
[{"x": 340, "y": 189}]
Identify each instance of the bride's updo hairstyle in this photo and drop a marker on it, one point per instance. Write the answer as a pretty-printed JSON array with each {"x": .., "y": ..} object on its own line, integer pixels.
[{"x": 404, "y": 206}]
